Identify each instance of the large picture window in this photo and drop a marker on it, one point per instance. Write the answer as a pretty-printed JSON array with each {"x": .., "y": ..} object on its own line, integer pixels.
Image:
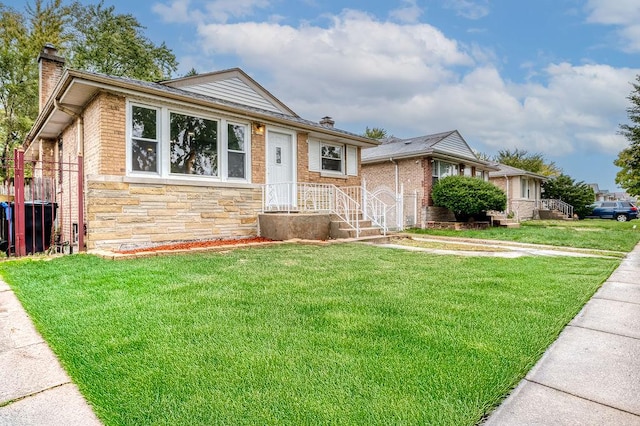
[
  {"x": 170, "y": 143},
  {"x": 443, "y": 169},
  {"x": 194, "y": 145},
  {"x": 332, "y": 158},
  {"x": 144, "y": 139}
]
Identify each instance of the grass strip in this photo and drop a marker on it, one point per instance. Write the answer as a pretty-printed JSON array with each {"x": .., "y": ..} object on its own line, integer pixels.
[
  {"x": 594, "y": 234},
  {"x": 341, "y": 334}
]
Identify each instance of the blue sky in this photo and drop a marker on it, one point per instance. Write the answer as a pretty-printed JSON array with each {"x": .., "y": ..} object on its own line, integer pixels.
[{"x": 548, "y": 76}]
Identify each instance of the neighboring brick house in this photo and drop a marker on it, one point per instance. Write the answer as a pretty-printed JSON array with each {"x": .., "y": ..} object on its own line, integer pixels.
[
  {"x": 179, "y": 160},
  {"x": 523, "y": 189},
  {"x": 410, "y": 167}
]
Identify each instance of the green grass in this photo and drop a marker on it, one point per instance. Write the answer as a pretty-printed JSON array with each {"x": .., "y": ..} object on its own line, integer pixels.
[
  {"x": 341, "y": 334},
  {"x": 595, "y": 234}
]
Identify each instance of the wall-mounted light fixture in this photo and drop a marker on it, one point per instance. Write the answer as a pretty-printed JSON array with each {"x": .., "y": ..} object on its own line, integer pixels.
[{"x": 258, "y": 128}]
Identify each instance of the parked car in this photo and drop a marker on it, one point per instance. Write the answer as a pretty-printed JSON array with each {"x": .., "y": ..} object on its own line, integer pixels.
[{"x": 618, "y": 210}]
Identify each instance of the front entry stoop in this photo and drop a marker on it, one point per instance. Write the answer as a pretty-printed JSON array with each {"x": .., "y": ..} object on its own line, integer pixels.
[{"x": 339, "y": 229}]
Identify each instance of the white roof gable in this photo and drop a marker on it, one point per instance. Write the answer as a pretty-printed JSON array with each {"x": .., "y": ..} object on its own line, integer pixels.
[
  {"x": 232, "y": 85},
  {"x": 455, "y": 145}
]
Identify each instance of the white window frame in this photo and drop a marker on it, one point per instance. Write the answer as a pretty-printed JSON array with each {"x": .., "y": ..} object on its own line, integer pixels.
[
  {"x": 435, "y": 172},
  {"x": 167, "y": 145},
  {"x": 130, "y": 139},
  {"x": 163, "y": 150},
  {"x": 343, "y": 150},
  {"x": 247, "y": 151},
  {"x": 525, "y": 188}
]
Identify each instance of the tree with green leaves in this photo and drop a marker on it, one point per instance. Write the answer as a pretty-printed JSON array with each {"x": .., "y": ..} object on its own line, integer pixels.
[
  {"x": 578, "y": 194},
  {"x": 376, "y": 133},
  {"x": 21, "y": 38},
  {"x": 114, "y": 44},
  {"x": 93, "y": 37},
  {"x": 629, "y": 158},
  {"x": 522, "y": 159}
]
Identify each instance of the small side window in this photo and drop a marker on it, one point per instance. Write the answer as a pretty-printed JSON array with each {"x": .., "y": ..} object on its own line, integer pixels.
[
  {"x": 144, "y": 139},
  {"x": 332, "y": 158}
]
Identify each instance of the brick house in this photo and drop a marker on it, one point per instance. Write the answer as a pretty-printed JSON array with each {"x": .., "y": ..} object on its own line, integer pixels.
[
  {"x": 523, "y": 189},
  {"x": 195, "y": 158},
  {"x": 408, "y": 168}
]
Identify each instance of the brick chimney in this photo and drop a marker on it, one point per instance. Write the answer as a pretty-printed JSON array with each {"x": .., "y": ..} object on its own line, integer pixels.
[
  {"x": 327, "y": 122},
  {"x": 51, "y": 67}
]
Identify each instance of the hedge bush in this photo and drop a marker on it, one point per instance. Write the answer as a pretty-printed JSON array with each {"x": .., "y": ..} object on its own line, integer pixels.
[{"x": 466, "y": 196}]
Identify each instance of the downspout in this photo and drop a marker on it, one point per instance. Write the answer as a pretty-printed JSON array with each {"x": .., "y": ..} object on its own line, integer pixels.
[
  {"x": 397, "y": 175},
  {"x": 82, "y": 190},
  {"x": 80, "y": 137},
  {"x": 507, "y": 181}
]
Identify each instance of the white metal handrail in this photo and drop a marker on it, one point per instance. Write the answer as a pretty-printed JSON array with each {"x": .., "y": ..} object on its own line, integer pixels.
[
  {"x": 373, "y": 208},
  {"x": 551, "y": 204},
  {"x": 312, "y": 197}
]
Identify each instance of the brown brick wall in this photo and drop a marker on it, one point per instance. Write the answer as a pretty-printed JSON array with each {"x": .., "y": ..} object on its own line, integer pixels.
[
  {"x": 50, "y": 74},
  {"x": 427, "y": 165},
  {"x": 258, "y": 156},
  {"x": 112, "y": 134},
  {"x": 410, "y": 174},
  {"x": 68, "y": 187},
  {"x": 92, "y": 148},
  {"x": 303, "y": 157}
]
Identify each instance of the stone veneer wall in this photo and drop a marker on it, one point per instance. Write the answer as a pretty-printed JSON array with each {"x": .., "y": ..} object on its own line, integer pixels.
[
  {"x": 522, "y": 209},
  {"x": 123, "y": 215}
]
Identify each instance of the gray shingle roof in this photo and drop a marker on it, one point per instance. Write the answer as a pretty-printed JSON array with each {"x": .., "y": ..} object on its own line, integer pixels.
[
  {"x": 216, "y": 101},
  {"x": 393, "y": 147},
  {"x": 503, "y": 170}
]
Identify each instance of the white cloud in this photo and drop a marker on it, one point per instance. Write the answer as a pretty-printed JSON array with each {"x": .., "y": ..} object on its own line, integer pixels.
[
  {"x": 411, "y": 79},
  {"x": 182, "y": 11},
  {"x": 223, "y": 10},
  {"x": 470, "y": 9},
  {"x": 355, "y": 56},
  {"x": 624, "y": 14},
  {"x": 177, "y": 11},
  {"x": 409, "y": 14}
]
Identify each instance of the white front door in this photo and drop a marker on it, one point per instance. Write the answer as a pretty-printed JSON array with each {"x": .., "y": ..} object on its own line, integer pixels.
[{"x": 281, "y": 171}]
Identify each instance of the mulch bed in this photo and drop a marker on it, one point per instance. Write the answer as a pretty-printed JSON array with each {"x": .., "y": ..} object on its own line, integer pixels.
[{"x": 196, "y": 244}]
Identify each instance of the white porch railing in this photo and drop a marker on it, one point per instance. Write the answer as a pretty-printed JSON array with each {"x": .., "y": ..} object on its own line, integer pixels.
[
  {"x": 346, "y": 203},
  {"x": 559, "y": 205},
  {"x": 373, "y": 208}
]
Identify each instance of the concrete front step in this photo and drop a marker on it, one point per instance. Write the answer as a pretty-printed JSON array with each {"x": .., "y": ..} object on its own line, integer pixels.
[
  {"x": 351, "y": 233},
  {"x": 508, "y": 223},
  {"x": 340, "y": 230}
]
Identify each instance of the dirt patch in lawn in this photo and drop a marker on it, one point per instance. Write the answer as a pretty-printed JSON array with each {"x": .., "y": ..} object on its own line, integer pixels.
[
  {"x": 445, "y": 245},
  {"x": 195, "y": 244}
]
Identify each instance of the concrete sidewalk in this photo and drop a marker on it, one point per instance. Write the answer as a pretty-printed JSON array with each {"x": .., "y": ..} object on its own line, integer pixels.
[
  {"x": 34, "y": 389},
  {"x": 591, "y": 373}
]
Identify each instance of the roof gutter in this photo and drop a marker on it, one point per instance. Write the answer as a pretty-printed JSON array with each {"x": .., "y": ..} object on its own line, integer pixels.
[
  {"x": 440, "y": 154},
  {"x": 80, "y": 128},
  {"x": 133, "y": 89}
]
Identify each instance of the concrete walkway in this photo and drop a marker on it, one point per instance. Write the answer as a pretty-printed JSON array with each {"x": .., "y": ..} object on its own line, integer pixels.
[
  {"x": 34, "y": 389},
  {"x": 591, "y": 374}
]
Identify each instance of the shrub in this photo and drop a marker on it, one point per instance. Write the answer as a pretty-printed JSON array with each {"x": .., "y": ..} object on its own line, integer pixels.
[
  {"x": 578, "y": 194},
  {"x": 466, "y": 196}
]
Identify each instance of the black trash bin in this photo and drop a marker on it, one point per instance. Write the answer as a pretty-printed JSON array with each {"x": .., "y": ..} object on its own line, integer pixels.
[{"x": 39, "y": 217}]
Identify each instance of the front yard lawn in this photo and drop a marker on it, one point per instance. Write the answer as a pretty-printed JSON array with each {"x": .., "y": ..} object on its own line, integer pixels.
[
  {"x": 596, "y": 234},
  {"x": 289, "y": 334}
]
